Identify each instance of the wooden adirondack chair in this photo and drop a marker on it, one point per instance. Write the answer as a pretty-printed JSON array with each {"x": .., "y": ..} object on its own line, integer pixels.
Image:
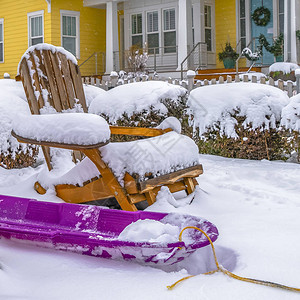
[{"x": 51, "y": 76}]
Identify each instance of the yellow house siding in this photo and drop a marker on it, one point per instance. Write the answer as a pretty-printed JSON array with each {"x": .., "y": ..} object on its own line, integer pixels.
[
  {"x": 92, "y": 30},
  {"x": 225, "y": 12},
  {"x": 14, "y": 14}
]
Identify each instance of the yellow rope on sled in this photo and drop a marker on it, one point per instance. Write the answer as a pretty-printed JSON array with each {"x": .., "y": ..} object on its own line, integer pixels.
[{"x": 224, "y": 271}]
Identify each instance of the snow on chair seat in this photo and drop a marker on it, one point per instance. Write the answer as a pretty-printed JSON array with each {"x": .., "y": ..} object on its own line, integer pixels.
[
  {"x": 65, "y": 129},
  {"x": 152, "y": 157}
]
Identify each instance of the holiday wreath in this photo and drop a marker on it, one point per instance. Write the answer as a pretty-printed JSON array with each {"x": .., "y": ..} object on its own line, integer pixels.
[{"x": 261, "y": 16}]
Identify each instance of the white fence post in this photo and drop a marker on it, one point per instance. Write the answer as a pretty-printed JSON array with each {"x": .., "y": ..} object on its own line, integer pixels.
[{"x": 190, "y": 77}]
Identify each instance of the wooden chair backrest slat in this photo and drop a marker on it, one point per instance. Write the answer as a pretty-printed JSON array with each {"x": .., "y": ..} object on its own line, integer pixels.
[
  {"x": 36, "y": 81},
  {"x": 77, "y": 83},
  {"x": 59, "y": 80},
  {"x": 67, "y": 79},
  {"x": 28, "y": 87},
  {"x": 52, "y": 87}
]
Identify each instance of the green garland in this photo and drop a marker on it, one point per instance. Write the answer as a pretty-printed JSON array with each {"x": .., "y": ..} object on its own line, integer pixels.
[
  {"x": 257, "y": 16},
  {"x": 276, "y": 48}
]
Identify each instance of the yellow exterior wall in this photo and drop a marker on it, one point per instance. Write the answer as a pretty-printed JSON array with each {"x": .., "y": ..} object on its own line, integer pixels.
[
  {"x": 15, "y": 24},
  {"x": 14, "y": 13},
  {"x": 225, "y": 25},
  {"x": 92, "y": 31}
]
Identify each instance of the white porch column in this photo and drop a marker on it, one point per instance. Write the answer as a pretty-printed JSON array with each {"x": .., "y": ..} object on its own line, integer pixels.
[
  {"x": 112, "y": 39},
  {"x": 184, "y": 29},
  {"x": 290, "y": 42}
]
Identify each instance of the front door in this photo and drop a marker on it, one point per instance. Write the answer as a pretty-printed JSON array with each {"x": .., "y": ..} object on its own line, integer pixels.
[{"x": 267, "y": 31}]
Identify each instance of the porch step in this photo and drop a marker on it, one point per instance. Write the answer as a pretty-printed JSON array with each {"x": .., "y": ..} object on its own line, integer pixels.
[{"x": 216, "y": 73}]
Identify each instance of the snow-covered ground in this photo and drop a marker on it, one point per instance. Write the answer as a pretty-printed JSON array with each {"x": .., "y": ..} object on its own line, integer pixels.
[{"x": 254, "y": 204}]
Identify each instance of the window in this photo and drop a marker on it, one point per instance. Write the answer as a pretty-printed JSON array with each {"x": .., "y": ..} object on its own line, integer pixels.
[
  {"x": 243, "y": 24},
  {"x": 70, "y": 31},
  {"x": 208, "y": 27},
  {"x": 35, "y": 28},
  {"x": 137, "y": 30},
  {"x": 281, "y": 16},
  {"x": 169, "y": 30},
  {"x": 152, "y": 32},
  {"x": 1, "y": 41}
]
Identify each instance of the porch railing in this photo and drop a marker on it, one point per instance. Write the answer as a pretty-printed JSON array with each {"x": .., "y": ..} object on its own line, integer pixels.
[
  {"x": 93, "y": 65},
  {"x": 196, "y": 59}
]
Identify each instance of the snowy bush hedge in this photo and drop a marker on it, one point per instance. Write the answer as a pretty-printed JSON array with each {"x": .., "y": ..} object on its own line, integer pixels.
[
  {"x": 239, "y": 120},
  {"x": 291, "y": 121},
  {"x": 283, "y": 70},
  {"x": 12, "y": 102},
  {"x": 144, "y": 104}
]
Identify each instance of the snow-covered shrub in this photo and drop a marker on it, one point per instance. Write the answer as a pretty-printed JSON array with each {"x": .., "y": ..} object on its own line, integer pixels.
[
  {"x": 239, "y": 120},
  {"x": 283, "y": 70},
  {"x": 144, "y": 104},
  {"x": 136, "y": 58},
  {"x": 291, "y": 121},
  {"x": 13, "y": 102}
]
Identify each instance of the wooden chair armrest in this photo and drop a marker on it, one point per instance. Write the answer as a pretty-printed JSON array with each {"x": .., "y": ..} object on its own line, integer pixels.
[
  {"x": 57, "y": 145},
  {"x": 138, "y": 131}
]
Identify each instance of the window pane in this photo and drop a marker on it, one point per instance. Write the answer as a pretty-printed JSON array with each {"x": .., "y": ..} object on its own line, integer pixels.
[
  {"x": 242, "y": 9},
  {"x": 281, "y": 23},
  {"x": 172, "y": 18},
  {"x": 133, "y": 24},
  {"x": 137, "y": 40},
  {"x": 73, "y": 26},
  {"x": 207, "y": 16},
  {"x": 170, "y": 40},
  {"x": 152, "y": 21},
  {"x": 166, "y": 20},
  {"x": 1, "y": 32},
  {"x": 153, "y": 42},
  {"x": 1, "y": 51},
  {"x": 35, "y": 41},
  {"x": 136, "y": 24},
  {"x": 36, "y": 26},
  {"x": 281, "y": 6},
  {"x": 139, "y": 23},
  {"x": 149, "y": 22},
  {"x": 69, "y": 43},
  {"x": 243, "y": 42},
  {"x": 243, "y": 28},
  {"x": 208, "y": 39},
  {"x": 169, "y": 19}
]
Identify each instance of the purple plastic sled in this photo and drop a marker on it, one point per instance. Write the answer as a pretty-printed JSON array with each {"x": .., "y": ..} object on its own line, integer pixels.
[{"x": 94, "y": 230}]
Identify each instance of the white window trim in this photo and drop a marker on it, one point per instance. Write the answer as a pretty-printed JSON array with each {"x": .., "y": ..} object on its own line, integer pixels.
[
  {"x": 75, "y": 14},
  {"x": 2, "y": 22},
  {"x": 29, "y": 16}
]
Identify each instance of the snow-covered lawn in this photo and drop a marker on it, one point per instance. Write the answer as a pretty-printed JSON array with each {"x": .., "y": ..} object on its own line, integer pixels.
[{"x": 254, "y": 204}]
